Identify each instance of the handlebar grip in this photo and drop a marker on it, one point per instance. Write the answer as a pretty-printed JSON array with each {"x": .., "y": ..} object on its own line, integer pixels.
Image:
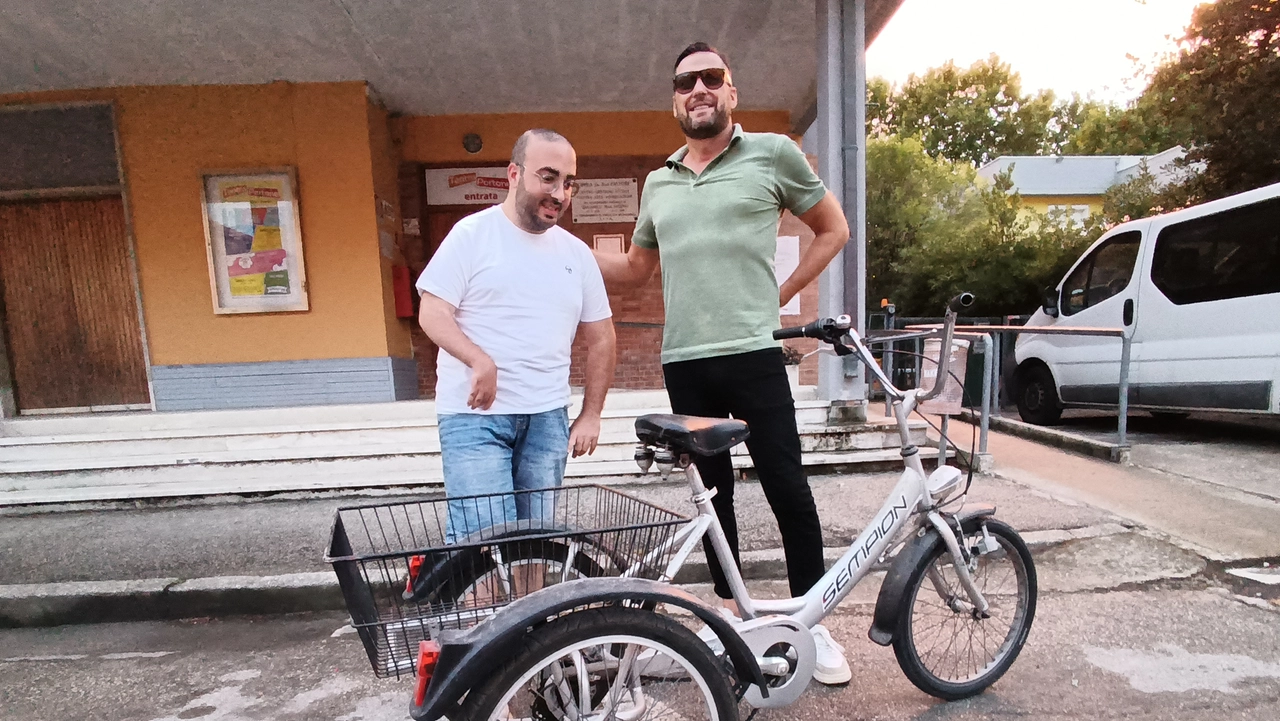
[
  {"x": 960, "y": 302},
  {"x": 785, "y": 333}
]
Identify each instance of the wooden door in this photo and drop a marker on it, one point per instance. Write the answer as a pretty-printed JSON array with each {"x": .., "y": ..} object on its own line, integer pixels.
[{"x": 69, "y": 305}]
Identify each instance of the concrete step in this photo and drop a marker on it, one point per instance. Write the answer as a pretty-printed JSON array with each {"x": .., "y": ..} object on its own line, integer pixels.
[
  {"x": 182, "y": 445},
  {"x": 415, "y": 470},
  {"x": 615, "y": 445},
  {"x": 355, "y": 415}
]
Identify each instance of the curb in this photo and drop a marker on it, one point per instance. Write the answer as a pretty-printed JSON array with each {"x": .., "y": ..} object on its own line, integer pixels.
[
  {"x": 1066, "y": 440},
  {"x": 166, "y": 599}
]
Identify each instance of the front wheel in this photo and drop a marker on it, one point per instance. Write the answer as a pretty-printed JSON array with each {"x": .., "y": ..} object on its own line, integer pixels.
[
  {"x": 943, "y": 644},
  {"x": 612, "y": 663},
  {"x": 1037, "y": 396}
]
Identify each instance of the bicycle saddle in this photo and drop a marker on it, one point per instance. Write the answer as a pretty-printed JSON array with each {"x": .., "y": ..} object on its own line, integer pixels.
[{"x": 692, "y": 434}]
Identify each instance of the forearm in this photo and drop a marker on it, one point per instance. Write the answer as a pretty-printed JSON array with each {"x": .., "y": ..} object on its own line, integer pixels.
[
  {"x": 614, "y": 267},
  {"x": 601, "y": 358},
  {"x": 443, "y": 330},
  {"x": 824, "y": 248}
]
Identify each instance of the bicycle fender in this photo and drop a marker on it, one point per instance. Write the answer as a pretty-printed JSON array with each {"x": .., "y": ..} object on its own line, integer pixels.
[
  {"x": 471, "y": 656},
  {"x": 893, "y": 589}
]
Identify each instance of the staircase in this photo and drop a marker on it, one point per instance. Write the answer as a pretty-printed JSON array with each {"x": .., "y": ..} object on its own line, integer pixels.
[{"x": 102, "y": 457}]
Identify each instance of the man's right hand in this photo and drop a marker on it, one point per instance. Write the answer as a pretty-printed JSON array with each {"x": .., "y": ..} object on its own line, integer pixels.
[{"x": 484, "y": 384}]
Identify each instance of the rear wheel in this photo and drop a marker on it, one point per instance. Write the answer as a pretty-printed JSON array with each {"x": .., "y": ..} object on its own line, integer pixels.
[
  {"x": 496, "y": 574},
  {"x": 943, "y": 644},
  {"x": 1037, "y": 396},
  {"x": 591, "y": 664}
]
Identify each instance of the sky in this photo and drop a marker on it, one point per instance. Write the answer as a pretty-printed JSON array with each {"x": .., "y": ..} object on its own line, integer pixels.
[{"x": 1067, "y": 46}]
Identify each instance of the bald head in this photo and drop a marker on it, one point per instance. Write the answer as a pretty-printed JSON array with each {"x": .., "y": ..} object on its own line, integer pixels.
[{"x": 521, "y": 149}]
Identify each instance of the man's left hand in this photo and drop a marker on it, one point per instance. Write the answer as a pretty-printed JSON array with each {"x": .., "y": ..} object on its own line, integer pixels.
[
  {"x": 785, "y": 294},
  {"x": 583, "y": 435}
]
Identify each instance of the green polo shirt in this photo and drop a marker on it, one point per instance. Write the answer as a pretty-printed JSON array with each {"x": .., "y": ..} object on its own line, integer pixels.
[{"x": 716, "y": 235}]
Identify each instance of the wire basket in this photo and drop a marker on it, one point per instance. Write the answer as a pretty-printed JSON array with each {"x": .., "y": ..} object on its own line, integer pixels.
[{"x": 411, "y": 570}]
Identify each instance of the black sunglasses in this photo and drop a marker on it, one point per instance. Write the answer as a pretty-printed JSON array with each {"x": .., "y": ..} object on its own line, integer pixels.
[{"x": 712, "y": 78}]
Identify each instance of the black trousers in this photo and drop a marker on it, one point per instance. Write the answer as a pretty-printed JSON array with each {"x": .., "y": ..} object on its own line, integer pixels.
[{"x": 753, "y": 387}]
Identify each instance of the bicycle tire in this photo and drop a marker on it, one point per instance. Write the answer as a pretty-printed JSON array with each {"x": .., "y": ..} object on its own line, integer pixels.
[
  {"x": 611, "y": 627},
  {"x": 926, "y": 675},
  {"x": 449, "y": 581}
]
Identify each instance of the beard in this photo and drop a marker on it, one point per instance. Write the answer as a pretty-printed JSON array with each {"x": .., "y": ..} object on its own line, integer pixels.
[
  {"x": 704, "y": 129},
  {"x": 527, "y": 205}
]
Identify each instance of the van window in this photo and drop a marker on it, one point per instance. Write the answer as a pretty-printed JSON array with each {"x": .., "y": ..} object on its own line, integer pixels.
[
  {"x": 1103, "y": 273},
  {"x": 1232, "y": 254}
]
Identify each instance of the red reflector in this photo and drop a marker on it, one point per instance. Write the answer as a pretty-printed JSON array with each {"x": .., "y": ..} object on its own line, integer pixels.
[
  {"x": 428, "y": 654},
  {"x": 415, "y": 565}
]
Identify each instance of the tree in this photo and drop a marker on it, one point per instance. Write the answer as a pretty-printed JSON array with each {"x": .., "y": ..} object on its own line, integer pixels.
[
  {"x": 906, "y": 191},
  {"x": 994, "y": 247},
  {"x": 972, "y": 114},
  {"x": 1223, "y": 84},
  {"x": 1143, "y": 128},
  {"x": 933, "y": 232}
]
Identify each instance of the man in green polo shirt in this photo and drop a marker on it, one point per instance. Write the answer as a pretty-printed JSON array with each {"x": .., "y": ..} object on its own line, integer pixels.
[{"x": 711, "y": 216}]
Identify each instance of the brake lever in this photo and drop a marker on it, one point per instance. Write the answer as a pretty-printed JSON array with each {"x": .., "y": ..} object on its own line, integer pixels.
[{"x": 839, "y": 346}]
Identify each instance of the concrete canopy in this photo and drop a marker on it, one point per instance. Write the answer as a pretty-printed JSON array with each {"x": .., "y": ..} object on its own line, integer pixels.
[{"x": 423, "y": 57}]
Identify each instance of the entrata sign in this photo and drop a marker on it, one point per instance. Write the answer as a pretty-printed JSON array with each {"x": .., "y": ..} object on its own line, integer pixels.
[{"x": 466, "y": 186}]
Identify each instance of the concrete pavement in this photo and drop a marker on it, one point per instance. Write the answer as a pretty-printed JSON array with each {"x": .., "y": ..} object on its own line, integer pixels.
[
  {"x": 232, "y": 555},
  {"x": 1219, "y": 520},
  {"x": 1157, "y": 651}
]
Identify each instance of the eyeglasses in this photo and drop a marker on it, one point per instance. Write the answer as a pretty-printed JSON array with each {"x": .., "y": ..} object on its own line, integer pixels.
[
  {"x": 712, "y": 79},
  {"x": 551, "y": 181}
]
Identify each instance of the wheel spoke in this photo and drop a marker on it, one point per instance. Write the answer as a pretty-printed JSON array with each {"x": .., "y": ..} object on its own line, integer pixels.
[{"x": 949, "y": 648}]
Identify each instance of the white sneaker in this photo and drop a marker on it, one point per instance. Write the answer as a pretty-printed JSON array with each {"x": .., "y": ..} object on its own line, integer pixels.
[{"x": 833, "y": 669}]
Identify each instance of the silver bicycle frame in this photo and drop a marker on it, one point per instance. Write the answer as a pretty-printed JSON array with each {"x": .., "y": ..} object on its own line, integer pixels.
[{"x": 908, "y": 500}]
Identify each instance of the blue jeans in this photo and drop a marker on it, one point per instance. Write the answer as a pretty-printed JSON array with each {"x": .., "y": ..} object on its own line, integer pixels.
[{"x": 501, "y": 453}]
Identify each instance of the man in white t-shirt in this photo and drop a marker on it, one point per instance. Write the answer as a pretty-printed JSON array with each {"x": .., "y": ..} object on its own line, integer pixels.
[{"x": 504, "y": 296}]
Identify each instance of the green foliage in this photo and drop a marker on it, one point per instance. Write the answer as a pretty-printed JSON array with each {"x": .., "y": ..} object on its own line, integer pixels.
[
  {"x": 907, "y": 191},
  {"x": 933, "y": 232},
  {"x": 1222, "y": 88},
  {"x": 1142, "y": 197},
  {"x": 970, "y": 114},
  {"x": 1143, "y": 128}
]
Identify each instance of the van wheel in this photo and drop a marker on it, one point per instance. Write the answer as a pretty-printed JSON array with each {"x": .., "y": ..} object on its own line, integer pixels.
[{"x": 1038, "y": 397}]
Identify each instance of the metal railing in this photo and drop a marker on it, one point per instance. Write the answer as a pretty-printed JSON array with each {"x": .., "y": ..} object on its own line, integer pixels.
[{"x": 994, "y": 337}]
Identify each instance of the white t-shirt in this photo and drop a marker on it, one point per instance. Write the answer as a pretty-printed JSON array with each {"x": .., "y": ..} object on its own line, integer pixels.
[{"x": 520, "y": 297}]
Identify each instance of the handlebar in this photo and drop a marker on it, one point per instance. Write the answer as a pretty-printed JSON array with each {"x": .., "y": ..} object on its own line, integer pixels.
[
  {"x": 960, "y": 302},
  {"x": 825, "y": 329},
  {"x": 837, "y": 330}
]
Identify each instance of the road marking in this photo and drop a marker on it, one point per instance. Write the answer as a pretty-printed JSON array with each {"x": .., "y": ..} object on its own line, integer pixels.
[
  {"x": 346, "y": 630},
  {"x": 245, "y": 675},
  {"x": 135, "y": 654},
  {"x": 22, "y": 659},
  {"x": 1170, "y": 669}
]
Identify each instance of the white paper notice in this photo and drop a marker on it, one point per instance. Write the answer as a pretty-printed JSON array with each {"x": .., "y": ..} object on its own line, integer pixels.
[
  {"x": 607, "y": 243},
  {"x": 785, "y": 261},
  {"x": 606, "y": 200}
]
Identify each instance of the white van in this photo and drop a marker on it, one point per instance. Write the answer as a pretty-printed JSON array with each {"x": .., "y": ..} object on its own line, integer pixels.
[{"x": 1198, "y": 290}]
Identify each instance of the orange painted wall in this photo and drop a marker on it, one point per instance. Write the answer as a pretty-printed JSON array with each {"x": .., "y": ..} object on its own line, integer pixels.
[
  {"x": 169, "y": 135},
  {"x": 386, "y": 186},
  {"x": 438, "y": 138}
]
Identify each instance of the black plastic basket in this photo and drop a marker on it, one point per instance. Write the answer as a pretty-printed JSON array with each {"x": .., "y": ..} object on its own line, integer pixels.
[{"x": 406, "y": 574}]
